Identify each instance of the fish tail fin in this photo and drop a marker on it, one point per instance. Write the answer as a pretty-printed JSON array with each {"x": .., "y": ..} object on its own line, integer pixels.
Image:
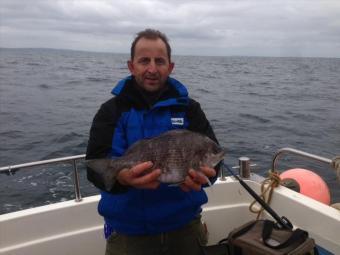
[{"x": 102, "y": 168}]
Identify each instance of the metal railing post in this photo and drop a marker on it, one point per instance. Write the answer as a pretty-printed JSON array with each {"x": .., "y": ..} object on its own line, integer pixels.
[{"x": 76, "y": 181}]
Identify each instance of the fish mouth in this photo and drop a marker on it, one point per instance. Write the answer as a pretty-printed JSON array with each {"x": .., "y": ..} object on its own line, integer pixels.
[
  {"x": 222, "y": 153},
  {"x": 217, "y": 158}
]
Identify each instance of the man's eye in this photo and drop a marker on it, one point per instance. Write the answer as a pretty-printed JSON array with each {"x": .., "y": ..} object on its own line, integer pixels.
[
  {"x": 144, "y": 61},
  {"x": 160, "y": 61}
]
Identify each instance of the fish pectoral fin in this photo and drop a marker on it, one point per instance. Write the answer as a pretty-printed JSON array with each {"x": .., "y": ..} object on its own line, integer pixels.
[{"x": 176, "y": 184}]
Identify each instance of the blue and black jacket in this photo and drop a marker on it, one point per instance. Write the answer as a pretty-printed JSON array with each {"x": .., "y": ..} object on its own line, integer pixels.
[{"x": 121, "y": 121}]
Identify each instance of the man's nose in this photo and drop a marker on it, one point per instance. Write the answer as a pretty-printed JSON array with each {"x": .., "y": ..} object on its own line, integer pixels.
[{"x": 152, "y": 67}]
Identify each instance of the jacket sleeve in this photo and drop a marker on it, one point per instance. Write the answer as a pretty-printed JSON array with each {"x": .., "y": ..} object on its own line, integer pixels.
[
  {"x": 198, "y": 122},
  {"x": 100, "y": 142},
  {"x": 101, "y": 132}
]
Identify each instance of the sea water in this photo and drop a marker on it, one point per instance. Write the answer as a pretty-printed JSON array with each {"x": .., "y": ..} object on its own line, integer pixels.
[{"x": 256, "y": 105}]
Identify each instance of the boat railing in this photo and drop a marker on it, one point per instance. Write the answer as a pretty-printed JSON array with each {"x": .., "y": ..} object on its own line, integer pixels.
[
  {"x": 302, "y": 154},
  {"x": 73, "y": 160}
]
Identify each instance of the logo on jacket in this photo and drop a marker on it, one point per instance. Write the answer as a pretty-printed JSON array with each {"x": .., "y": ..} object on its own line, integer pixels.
[{"x": 177, "y": 121}]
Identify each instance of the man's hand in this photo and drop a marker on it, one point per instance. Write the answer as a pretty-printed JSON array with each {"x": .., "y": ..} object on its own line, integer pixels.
[
  {"x": 138, "y": 177},
  {"x": 195, "y": 179}
]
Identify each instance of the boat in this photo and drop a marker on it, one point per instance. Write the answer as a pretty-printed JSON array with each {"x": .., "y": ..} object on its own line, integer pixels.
[{"x": 74, "y": 227}]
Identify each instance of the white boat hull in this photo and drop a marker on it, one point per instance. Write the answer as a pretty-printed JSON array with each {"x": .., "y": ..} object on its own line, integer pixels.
[{"x": 76, "y": 228}]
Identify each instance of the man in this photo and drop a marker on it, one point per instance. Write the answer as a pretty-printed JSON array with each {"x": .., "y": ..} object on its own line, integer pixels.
[{"x": 142, "y": 215}]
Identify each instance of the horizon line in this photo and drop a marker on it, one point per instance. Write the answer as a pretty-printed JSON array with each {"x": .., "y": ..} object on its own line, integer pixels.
[{"x": 180, "y": 55}]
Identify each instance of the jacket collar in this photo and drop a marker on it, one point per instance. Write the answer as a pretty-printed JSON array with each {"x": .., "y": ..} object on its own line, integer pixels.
[{"x": 176, "y": 94}]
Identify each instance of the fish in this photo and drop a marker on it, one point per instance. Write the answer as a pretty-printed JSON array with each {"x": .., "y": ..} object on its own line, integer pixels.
[{"x": 173, "y": 152}]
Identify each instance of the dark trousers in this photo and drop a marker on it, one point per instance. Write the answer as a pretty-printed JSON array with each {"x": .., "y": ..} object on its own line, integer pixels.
[{"x": 185, "y": 241}]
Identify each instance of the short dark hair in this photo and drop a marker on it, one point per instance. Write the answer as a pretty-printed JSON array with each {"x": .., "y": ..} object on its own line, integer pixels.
[{"x": 153, "y": 35}]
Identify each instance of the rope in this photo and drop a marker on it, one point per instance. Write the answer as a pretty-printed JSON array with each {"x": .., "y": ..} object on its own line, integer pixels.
[
  {"x": 336, "y": 165},
  {"x": 267, "y": 186}
]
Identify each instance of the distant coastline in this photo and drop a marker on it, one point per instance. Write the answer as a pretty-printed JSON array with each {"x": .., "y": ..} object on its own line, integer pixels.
[{"x": 175, "y": 55}]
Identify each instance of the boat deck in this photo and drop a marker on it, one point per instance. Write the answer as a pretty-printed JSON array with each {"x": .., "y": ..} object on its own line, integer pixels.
[{"x": 76, "y": 228}]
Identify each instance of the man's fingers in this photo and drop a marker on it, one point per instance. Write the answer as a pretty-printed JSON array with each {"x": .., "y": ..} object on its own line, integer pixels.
[
  {"x": 192, "y": 184},
  {"x": 138, "y": 170},
  {"x": 198, "y": 177},
  {"x": 184, "y": 187},
  {"x": 150, "y": 178},
  {"x": 207, "y": 171},
  {"x": 139, "y": 176},
  {"x": 140, "y": 179}
]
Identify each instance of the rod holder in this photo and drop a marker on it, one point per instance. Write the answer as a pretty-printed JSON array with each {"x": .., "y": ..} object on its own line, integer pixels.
[{"x": 244, "y": 170}]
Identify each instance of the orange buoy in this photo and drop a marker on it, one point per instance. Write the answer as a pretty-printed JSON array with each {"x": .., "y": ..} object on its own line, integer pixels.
[{"x": 308, "y": 183}]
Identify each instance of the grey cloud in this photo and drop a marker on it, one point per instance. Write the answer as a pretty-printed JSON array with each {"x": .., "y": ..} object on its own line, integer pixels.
[{"x": 197, "y": 27}]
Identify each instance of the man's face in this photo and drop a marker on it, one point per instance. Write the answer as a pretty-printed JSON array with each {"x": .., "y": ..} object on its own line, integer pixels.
[{"x": 150, "y": 65}]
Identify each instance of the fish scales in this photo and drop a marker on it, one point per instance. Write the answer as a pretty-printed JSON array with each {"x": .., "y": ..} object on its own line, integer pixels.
[{"x": 174, "y": 152}]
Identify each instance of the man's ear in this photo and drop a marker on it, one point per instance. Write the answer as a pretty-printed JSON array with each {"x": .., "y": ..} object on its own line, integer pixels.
[
  {"x": 130, "y": 66},
  {"x": 171, "y": 67}
]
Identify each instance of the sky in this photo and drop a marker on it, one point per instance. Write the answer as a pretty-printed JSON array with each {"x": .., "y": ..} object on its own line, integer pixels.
[{"x": 300, "y": 28}]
